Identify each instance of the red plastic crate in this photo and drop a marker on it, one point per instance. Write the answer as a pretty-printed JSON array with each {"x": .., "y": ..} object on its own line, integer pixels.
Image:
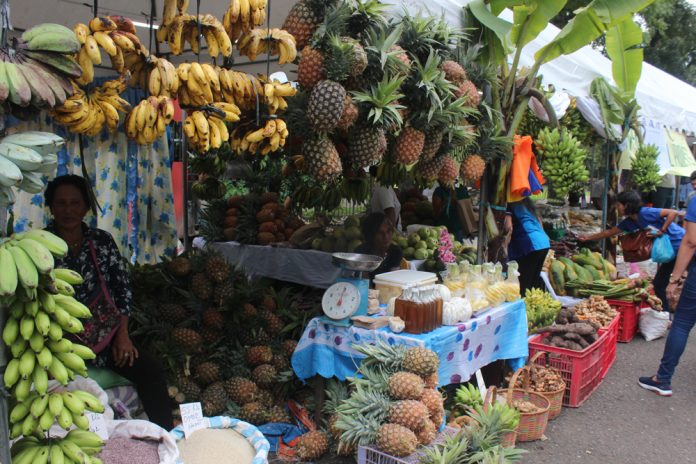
[
  {"x": 582, "y": 371},
  {"x": 372, "y": 455},
  {"x": 628, "y": 314},
  {"x": 609, "y": 348}
]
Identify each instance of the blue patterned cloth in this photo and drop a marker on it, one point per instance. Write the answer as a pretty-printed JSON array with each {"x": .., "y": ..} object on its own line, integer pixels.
[
  {"x": 133, "y": 185},
  {"x": 499, "y": 333}
]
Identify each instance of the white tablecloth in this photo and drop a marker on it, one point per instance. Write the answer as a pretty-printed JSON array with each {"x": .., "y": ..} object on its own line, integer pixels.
[{"x": 305, "y": 267}]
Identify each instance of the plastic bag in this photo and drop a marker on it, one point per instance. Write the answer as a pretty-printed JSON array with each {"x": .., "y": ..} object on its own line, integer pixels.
[
  {"x": 662, "y": 251},
  {"x": 167, "y": 448},
  {"x": 653, "y": 324}
]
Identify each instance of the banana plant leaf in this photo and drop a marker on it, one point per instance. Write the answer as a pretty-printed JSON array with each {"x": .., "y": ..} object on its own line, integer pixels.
[
  {"x": 624, "y": 47},
  {"x": 589, "y": 23},
  {"x": 536, "y": 15},
  {"x": 499, "y": 27},
  {"x": 611, "y": 106}
]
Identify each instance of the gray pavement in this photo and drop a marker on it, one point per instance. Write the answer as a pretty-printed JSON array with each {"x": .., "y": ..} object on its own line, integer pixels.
[{"x": 623, "y": 424}]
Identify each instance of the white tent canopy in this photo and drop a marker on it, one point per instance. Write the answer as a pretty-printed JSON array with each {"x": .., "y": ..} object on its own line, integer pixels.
[{"x": 662, "y": 97}]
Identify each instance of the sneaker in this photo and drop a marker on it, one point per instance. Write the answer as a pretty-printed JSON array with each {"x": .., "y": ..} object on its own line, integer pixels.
[{"x": 650, "y": 383}]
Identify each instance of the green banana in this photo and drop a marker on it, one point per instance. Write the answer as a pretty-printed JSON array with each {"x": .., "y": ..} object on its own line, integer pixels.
[
  {"x": 18, "y": 347},
  {"x": 47, "y": 301},
  {"x": 11, "y": 331},
  {"x": 44, "y": 358},
  {"x": 31, "y": 307},
  {"x": 58, "y": 371},
  {"x": 26, "y": 327},
  {"x": 55, "y": 332},
  {"x": 38, "y": 406},
  {"x": 42, "y": 323},
  {"x": 11, "y": 375},
  {"x": 36, "y": 342},
  {"x": 30, "y": 424},
  {"x": 61, "y": 346},
  {"x": 83, "y": 351},
  {"x": 55, "y": 403},
  {"x": 38, "y": 253},
  {"x": 73, "y": 451},
  {"x": 19, "y": 412},
  {"x": 56, "y": 454},
  {"x": 69, "y": 276},
  {"x": 74, "y": 404},
  {"x": 8, "y": 276},
  {"x": 27, "y": 363},
  {"x": 26, "y": 270},
  {"x": 23, "y": 389},
  {"x": 40, "y": 377},
  {"x": 72, "y": 306},
  {"x": 73, "y": 362},
  {"x": 81, "y": 421},
  {"x": 27, "y": 455},
  {"x": 46, "y": 420},
  {"x": 65, "y": 419},
  {"x": 91, "y": 402},
  {"x": 85, "y": 439},
  {"x": 52, "y": 242}
]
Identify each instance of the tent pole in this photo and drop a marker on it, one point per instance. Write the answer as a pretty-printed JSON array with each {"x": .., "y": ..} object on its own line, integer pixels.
[{"x": 605, "y": 194}]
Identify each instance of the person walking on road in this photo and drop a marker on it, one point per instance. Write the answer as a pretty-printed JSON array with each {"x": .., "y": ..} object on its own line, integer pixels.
[{"x": 685, "y": 314}]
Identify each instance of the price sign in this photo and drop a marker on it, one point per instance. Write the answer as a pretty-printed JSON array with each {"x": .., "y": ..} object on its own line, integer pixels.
[
  {"x": 192, "y": 418},
  {"x": 97, "y": 424}
]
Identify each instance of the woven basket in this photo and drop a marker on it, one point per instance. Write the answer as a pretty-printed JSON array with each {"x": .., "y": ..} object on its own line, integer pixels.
[
  {"x": 555, "y": 397},
  {"x": 532, "y": 424},
  {"x": 509, "y": 439}
]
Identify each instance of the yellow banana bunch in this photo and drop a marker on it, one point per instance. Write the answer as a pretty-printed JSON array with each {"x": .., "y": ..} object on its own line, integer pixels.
[
  {"x": 269, "y": 138},
  {"x": 199, "y": 84},
  {"x": 149, "y": 119},
  {"x": 276, "y": 42},
  {"x": 242, "y": 15},
  {"x": 240, "y": 88},
  {"x": 184, "y": 27},
  {"x": 274, "y": 94},
  {"x": 115, "y": 35},
  {"x": 205, "y": 132},
  {"x": 87, "y": 114}
]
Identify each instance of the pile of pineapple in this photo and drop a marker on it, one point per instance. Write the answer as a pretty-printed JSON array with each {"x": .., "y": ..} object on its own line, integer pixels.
[
  {"x": 222, "y": 339},
  {"x": 379, "y": 91},
  {"x": 262, "y": 220}
]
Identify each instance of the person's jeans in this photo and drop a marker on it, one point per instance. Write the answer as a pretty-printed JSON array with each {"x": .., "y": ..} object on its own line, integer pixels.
[
  {"x": 661, "y": 280},
  {"x": 684, "y": 320}
]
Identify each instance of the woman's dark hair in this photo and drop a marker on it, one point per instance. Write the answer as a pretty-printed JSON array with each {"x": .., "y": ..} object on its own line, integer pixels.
[
  {"x": 78, "y": 182},
  {"x": 372, "y": 223},
  {"x": 631, "y": 201}
]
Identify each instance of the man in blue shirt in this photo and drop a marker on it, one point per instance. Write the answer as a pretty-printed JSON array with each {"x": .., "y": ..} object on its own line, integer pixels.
[{"x": 685, "y": 313}]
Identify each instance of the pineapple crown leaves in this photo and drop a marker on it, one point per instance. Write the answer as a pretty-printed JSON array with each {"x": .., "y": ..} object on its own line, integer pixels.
[
  {"x": 381, "y": 58},
  {"x": 339, "y": 58},
  {"x": 211, "y": 220},
  {"x": 366, "y": 14},
  {"x": 427, "y": 90},
  {"x": 336, "y": 393},
  {"x": 381, "y": 353},
  {"x": 425, "y": 33},
  {"x": 357, "y": 428},
  {"x": 335, "y": 24},
  {"x": 380, "y": 102},
  {"x": 454, "y": 450}
]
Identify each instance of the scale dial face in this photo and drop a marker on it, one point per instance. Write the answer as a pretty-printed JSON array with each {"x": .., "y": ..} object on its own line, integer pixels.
[{"x": 341, "y": 300}]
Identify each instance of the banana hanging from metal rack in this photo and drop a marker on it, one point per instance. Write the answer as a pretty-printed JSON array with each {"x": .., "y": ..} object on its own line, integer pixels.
[
  {"x": 148, "y": 120},
  {"x": 206, "y": 130},
  {"x": 276, "y": 42},
  {"x": 242, "y": 15},
  {"x": 264, "y": 140},
  {"x": 178, "y": 27}
]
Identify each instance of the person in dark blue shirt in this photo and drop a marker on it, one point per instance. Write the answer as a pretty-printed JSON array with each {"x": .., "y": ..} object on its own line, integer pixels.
[
  {"x": 528, "y": 243},
  {"x": 685, "y": 312},
  {"x": 637, "y": 217}
]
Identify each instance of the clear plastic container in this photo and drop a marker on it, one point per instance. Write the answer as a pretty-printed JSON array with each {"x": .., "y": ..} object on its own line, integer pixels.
[{"x": 392, "y": 284}]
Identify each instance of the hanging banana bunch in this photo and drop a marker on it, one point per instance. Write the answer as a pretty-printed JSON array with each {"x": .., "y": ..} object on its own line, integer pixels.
[
  {"x": 88, "y": 113},
  {"x": 207, "y": 130},
  {"x": 148, "y": 121},
  {"x": 115, "y": 35},
  {"x": 276, "y": 42},
  {"x": 274, "y": 94},
  {"x": 269, "y": 138},
  {"x": 157, "y": 75},
  {"x": 242, "y": 15},
  {"x": 240, "y": 88},
  {"x": 199, "y": 84},
  {"x": 185, "y": 28},
  {"x": 562, "y": 160}
]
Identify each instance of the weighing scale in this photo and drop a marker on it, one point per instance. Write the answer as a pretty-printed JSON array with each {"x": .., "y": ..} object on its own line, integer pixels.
[{"x": 348, "y": 296}]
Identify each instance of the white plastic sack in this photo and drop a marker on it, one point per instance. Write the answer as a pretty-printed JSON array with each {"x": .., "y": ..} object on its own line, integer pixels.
[
  {"x": 653, "y": 324},
  {"x": 167, "y": 449}
]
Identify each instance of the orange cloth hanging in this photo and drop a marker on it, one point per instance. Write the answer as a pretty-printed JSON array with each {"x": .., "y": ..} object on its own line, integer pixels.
[{"x": 523, "y": 164}]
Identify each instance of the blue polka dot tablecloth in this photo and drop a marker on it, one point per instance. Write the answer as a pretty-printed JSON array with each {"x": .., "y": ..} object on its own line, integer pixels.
[{"x": 498, "y": 333}]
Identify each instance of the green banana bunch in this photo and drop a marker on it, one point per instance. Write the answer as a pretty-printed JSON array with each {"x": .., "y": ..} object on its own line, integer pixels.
[
  {"x": 76, "y": 446},
  {"x": 562, "y": 160},
  {"x": 356, "y": 190},
  {"x": 209, "y": 189},
  {"x": 646, "y": 172},
  {"x": 468, "y": 395},
  {"x": 542, "y": 309}
]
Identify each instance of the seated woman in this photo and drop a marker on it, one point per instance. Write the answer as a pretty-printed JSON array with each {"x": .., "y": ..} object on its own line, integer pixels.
[
  {"x": 377, "y": 229},
  {"x": 94, "y": 254}
]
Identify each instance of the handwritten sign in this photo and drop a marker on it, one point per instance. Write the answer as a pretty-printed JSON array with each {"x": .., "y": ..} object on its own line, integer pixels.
[
  {"x": 192, "y": 418},
  {"x": 97, "y": 424}
]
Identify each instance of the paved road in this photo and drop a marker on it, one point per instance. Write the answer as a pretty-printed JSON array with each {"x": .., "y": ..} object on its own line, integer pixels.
[{"x": 623, "y": 424}]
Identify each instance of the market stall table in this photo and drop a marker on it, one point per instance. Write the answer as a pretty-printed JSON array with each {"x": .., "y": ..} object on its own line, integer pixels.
[
  {"x": 325, "y": 350},
  {"x": 305, "y": 267}
]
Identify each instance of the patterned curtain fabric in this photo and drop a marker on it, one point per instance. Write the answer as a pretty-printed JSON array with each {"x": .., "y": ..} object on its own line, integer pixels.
[{"x": 132, "y": 184}]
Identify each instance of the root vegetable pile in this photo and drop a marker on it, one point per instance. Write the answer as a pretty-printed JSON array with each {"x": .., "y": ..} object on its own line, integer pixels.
[
  {"x": 573, "y": 336},
  {"x": 542, "y": 379},
  {"x": 595, "y": 309},
  {"x": 525, "y": 407}
]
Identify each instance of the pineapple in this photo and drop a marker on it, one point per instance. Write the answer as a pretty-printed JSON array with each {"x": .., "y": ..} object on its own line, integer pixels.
[
  {"x": 366, "y": 146},
  {"x": 432, "y": 399},
  {"x": 189, "y": 388},
  {"x": 173, "y": 313},
  {"x": 427, "y": 433},
  {"x": 358, "y": 56},
  {"x": 396, "y": 440},
  {"x": 224, "y": 291},
  {"x": 349, "y": 116},
  {"x": 217, "y": 268},
  {"x": 210, "y": 335},
  {"x": 433, "y": 140},
  {"x": 302, "y": 20},
  {"x": 409, "y": 145},
  {"x": 278, "y": 415},
  {"x": 421, "y": 361},
  {"x": 310, "y": 69},
  {"x": 280, "y": 362},
  {"x": 448, "y": 172},
  {"x": 179, "y": 266},
  {"x": 469, "y": 90},
  {"x": 254, "y": 413},
  {"x": 454, "y": 72},
  {"x": 201, "y": 286},
  {"x": 249, "y": 311},
  {"x": 187, "y": 339},
  {"x": 208, "y": 372},
  {"x": 409, "y": 413},
  {"x": 255, "y": 337},
  {"x": 214, "y": 400},
  {"x": 311, "y": 446},
  {"x": 257, "y": 355},
  {"x": 326, "y": 104},
  {"x": 274, "y": 324},
  {"x": 269, "y": 303},
  {"x": 401, "y": 55},
  {"x": 472, "y": 168},
  {"x": 405, "y": 386},
  {"x": 264, "y": 374},
  {"x": 241, "y": 390},
  {"x": 429, "y": 169},
  {"x": 265, "y": 397},
  {"x": 321, "y": 159},
  {"x": 212, "y": 318},
  {"x": 288, "y": 347},
  {"x": 431, "y": 380}
]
